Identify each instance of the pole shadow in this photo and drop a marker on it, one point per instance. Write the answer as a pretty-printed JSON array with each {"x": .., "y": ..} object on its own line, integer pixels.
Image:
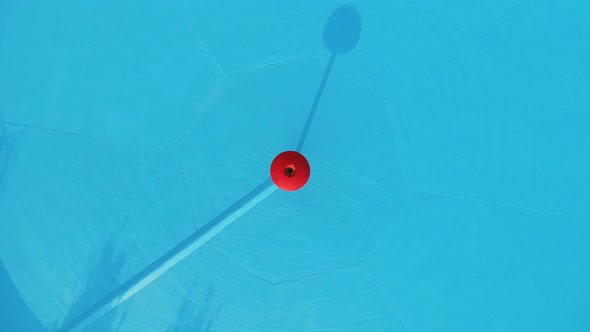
[
  {"x": 4, "y": 155},
  {"x": 6, "y": 140},
  {"x": 9, "y": 138},
  {"x": 341, "y": 35},
  {"x": 15, "y": 314}
]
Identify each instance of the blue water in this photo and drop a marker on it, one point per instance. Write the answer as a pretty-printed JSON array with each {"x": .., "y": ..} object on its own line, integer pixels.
[{"x": 448, "y": 143}]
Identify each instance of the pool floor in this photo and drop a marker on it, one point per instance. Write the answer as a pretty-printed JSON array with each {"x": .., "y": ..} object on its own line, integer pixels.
[{"x": 448, "y": 144}]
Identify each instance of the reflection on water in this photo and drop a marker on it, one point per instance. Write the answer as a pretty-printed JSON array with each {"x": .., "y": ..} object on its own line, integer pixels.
[
  {"x": 103, "y": 277},
  {"x": 196, "y": 313},
  {"x": 15, "y": 315}
]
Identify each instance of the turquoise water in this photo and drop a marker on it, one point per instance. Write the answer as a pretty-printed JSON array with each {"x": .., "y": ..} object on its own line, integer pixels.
[{"x": 448, "y": 144}]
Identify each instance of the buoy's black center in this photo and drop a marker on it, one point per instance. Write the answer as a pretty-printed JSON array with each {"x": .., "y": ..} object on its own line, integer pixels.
[{"x": 290, "y": 170}]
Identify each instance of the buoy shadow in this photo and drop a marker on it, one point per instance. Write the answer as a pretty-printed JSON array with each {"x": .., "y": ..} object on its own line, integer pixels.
[{"x": 341, "y": 35}]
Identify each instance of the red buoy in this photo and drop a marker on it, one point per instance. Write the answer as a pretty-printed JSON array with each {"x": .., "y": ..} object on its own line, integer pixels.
[{"x": 290, "y": 170}]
